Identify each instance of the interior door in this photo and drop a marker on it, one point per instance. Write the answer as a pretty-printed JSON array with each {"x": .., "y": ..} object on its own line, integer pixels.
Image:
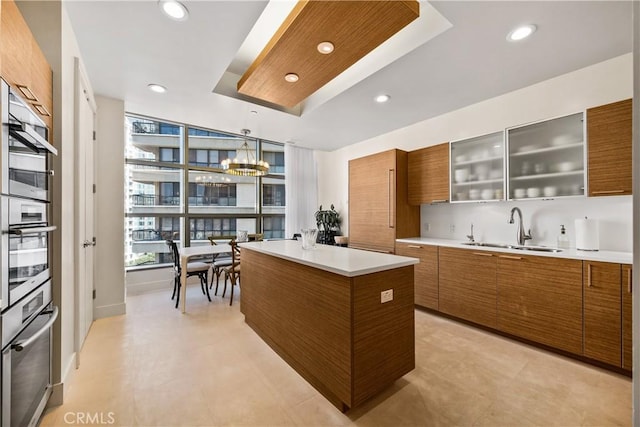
[{"x": 85, "y": 120}]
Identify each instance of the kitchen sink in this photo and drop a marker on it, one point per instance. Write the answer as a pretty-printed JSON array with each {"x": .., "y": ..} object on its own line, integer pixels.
[
  {"x": 537, "y": 249},
  {"x": 490, "y": 245},
  {"x": 506, "y": 246}
]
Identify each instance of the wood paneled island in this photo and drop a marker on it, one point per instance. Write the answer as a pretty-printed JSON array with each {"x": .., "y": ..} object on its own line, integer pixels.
[{"x": 321, "y": 310}]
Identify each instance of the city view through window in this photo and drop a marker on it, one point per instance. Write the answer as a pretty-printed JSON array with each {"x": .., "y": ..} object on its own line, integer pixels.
[{"x": 175, "y": 189}]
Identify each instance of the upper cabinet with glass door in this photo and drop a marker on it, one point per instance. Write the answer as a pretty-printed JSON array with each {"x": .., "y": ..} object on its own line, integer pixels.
[
  {"x": 477, "y": 168},
  {"x": 546, "y": 159}
]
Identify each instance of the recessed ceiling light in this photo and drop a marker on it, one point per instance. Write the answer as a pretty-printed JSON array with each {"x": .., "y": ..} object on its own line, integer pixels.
[
  {"x": 174, "y": 9},
  {"x": 382, "y": 98},
  {"x": 157, "y": 88},
  {"x": 325, "y": 47},
  {"x": 521, "y": 32},
  {"x": 291, "y": 77}
]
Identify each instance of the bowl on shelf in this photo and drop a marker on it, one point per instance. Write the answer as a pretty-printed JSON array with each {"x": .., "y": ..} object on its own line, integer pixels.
[
  {"x": 462, "y": 196},
  {"x": 533, "y": 192},
  {"x": 526, "y": 148},
  {"x": 495, "y": 173},
  {"x": 560, "y": 140},
  {"x": 474, "y": 194},
  {"x": 567, "y": 166},
  {"x": 550, "y": 191},
  {"x": 519, "y": 193},
  {"x": 461, "y": 175},
  {"x": 461, "y": 158},
  {"x": 486, "y": 194}
]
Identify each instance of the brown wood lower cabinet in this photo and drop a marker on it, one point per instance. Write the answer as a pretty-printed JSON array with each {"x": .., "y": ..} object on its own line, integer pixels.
[
  {"x": 425, "y": 273},
  {"x": 540, "y": 299},
  {"x": 627, "y": 292},
  {"x": 467, "y": 285},
  {"x": 602, "y": 303}
]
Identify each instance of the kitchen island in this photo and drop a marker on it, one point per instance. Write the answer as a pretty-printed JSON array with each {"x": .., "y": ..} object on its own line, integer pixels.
[{"x": 322, "y": 311}]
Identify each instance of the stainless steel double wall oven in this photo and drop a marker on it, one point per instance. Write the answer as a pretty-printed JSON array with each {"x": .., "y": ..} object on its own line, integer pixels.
[{"x": 27, "y": 314}]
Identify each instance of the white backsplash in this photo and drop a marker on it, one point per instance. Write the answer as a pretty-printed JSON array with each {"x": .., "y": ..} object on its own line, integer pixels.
[{"x": 544, "y": 217}]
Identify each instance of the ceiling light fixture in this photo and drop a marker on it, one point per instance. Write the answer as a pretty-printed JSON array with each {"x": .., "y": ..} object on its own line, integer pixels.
[
  {"x": 521, "y": 33},
  {"x": 291, "y": 77},
  {"x": 174, "y": 9},
  {"x": 247, "y": 165},
  {"x": 325, "y": 48},
  {"x": 382, "y": 98},
  {"x": 157, "y": 88}
]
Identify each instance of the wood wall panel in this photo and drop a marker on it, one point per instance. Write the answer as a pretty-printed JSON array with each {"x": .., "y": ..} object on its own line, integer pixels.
[
  {"x": 602, "y": 317},
  {"x": 383, "y": 334},
  {"x": 306, "y": 312},
  {"x": 332, "y": 329},
  {"x": 540, "y": 299}
]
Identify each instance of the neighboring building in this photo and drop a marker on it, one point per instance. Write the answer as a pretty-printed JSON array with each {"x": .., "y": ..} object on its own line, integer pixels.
[{"x": 216, "y": 204}]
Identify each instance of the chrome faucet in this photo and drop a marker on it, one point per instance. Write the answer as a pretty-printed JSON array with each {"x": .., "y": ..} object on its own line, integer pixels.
[
  {"x": 470, "y": 236},
  {"x": 522, "y": 237}
]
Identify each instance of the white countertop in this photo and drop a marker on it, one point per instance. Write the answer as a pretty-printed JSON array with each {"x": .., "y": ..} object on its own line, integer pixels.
[
  {"x": 344, "y": 261},
  {"x": 572, "y": 253}
]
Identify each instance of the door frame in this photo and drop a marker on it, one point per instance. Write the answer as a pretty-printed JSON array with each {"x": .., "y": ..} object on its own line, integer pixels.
[{"x": 82, "y": 92}]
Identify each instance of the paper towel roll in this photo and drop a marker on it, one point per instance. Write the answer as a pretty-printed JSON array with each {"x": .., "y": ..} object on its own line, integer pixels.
[{"x": 587, "y": 235}]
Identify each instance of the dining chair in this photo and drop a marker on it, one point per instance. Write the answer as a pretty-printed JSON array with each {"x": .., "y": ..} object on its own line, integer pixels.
[
  {"x": 232, "y": 271},
  {"x": 199, "y": 269},
  {"x": 218, "y": 263}
]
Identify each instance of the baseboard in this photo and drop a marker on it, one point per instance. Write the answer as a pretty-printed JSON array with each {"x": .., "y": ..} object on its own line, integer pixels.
[
  {"x": 109, "y": 310},
  {"x": 58, "y": 389},
  {"x": 146, "y": 287}
]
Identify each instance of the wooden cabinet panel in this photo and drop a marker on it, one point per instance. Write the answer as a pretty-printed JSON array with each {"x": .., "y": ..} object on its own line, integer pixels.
[
  {"x": 540, "y": 299},
  {"x": 609, "y": 149},
  {"x": 16, "y": 46},
  {"x": 24, "y": 66},
  {"x": 41, "y": 85},
  {"x": 425, "y": 273},
  {"x": 627, "y": 341},
  {"x": 602, "y": 322},
  {"x": 429, "y": 174},
  {"x": 378, "y": 209},
  {"x": 467, "y": 285}
]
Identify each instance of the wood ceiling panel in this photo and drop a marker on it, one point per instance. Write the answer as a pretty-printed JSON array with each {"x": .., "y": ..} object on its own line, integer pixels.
[{"x": 354, "y": 27}]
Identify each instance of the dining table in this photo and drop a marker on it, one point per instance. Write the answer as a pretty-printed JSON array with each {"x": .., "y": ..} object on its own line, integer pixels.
[{"x": 194, "y": 251}]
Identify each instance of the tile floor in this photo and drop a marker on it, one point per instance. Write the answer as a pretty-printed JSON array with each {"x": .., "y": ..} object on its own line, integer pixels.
[{"x": 157, "y": 367}]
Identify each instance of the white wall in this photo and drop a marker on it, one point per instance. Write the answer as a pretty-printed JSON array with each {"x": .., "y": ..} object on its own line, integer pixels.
[
  {"x": 109, "y": 169},
  {"x": 598, "y": 84}
]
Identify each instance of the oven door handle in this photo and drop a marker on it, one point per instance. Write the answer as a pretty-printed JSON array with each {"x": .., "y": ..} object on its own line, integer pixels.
[
  {"x": 25, "y": 133},
  {"x": 19, "y": 346},
  {"x": 31, "y": 230}
]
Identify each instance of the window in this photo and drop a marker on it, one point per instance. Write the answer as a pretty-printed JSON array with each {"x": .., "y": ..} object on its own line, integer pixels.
[
  {"x": 207, "y": 195},
  {"x": 176, "y": 189},
  {"x": 273, "y": 195},
  {"x": 273, "y": 227}
]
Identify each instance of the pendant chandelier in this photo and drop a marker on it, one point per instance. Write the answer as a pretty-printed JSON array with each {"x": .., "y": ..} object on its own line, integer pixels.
[{"x": 245, "y": 163}]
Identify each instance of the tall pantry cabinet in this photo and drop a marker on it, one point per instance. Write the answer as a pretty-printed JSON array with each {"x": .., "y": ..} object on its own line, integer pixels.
[{"x": 379, "y": 211}]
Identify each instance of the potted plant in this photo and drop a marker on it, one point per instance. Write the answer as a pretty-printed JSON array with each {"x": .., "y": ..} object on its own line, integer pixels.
[{"x": 328, "y": 223}]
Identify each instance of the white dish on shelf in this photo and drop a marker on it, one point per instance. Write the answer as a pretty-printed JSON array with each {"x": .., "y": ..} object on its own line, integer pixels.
[
  {"x": 560, "y": 140},
  {"x": 486, "y": 194},
  {"x": 550, "y": 191},
  {"x": 461, "y": 175},
  {"x": 533, "y": 192},
  {"x": 567, "y": 166},
  {"x": 474, "y": 194},
  {"x": 526, "y": 148},
  {"x": 495, "y": 173},
  {"x": 461, "y": 158},
  {"x": 519, "y": 193}
]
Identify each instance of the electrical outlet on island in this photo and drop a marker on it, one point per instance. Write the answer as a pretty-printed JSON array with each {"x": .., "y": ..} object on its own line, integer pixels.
[{"x": 386, "y": 296}]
